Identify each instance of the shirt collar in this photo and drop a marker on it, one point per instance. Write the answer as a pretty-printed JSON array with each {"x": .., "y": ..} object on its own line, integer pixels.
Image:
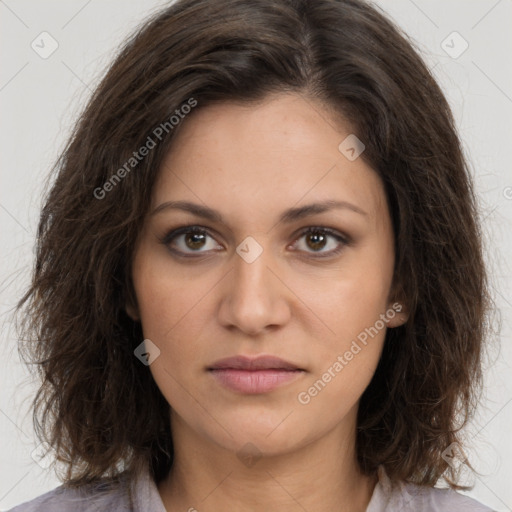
[{"x": 145, "y": 495}]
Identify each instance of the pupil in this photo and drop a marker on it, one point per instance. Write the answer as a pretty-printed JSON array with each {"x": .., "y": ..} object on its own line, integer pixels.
[
  {"x": 194, "y": 237},
  {"x": 315, "y": 243}
]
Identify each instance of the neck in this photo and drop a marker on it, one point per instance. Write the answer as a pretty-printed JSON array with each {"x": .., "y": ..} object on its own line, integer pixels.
[{"x": 322, "y": 476}]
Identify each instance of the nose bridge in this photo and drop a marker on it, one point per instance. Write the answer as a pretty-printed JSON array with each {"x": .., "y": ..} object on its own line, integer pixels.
[
  {"x": 250, "y": 279},
  {"x": 252, "y": 298}
]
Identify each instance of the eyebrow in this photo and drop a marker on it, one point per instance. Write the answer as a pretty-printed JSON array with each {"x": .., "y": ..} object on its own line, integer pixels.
[{"x": 288, "y": 216}]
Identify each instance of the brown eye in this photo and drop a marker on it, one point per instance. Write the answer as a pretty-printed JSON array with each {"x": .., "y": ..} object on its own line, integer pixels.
[
  {"x": 316, "y": 239},
  {"x": 194, "y": 240},
  {"x": 188, "y": 240}
]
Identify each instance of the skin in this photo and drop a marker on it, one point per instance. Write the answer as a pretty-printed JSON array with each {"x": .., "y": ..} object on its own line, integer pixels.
[{"x": 251, "y": 163}]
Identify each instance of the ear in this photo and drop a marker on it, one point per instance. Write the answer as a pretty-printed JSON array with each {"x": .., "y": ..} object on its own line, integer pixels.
[
  {"x": 130, "y": 306},
  {"x": 132, "y": 312},
  {"x": 397, "y": 314},
  {"x": 397, "y": 311}
]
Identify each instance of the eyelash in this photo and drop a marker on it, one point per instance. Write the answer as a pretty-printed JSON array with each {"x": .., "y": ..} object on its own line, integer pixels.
[{"x": 194, "y": 229}]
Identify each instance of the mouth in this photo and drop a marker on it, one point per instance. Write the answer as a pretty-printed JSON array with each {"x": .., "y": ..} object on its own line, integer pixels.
[
  {"x": 254, "y": 363},
  {"x": 254, "y": 375}
]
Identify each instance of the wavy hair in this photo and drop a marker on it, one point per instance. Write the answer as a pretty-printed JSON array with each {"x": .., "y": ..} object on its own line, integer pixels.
[{"x": 97, "y": 405}]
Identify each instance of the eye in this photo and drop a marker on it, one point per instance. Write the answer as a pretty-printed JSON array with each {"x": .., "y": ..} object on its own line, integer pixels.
[
  {"x": 317, "y": 238},
  {"x": 187, "y": 237},
  {"x": 187, "y": 240}
]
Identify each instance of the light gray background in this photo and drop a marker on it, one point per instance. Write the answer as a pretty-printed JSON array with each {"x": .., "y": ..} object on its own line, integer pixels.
[{"x": 40, "y": 99}]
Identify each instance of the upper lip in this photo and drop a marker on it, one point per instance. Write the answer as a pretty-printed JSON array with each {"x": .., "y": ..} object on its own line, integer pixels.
[{"x": 253, "y": 363}]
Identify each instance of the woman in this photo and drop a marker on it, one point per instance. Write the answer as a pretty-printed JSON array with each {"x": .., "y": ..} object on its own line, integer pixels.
[{"x": 259, "y": 281}]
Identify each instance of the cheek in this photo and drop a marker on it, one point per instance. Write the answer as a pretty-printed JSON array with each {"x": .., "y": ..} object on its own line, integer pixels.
[
  {"x": 347, "y": 359},
  {"x": 168, "y": 294},
  {"x": 351, "y": 305},
  {"x": 171, "y": 306},
  {"x": 329, "y": 396},
  {"x": 344, "y": 364},
  {"x": 353, "y": 295}
]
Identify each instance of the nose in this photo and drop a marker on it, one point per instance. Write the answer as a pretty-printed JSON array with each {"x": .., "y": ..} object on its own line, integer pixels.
[{"x": 254, "y": 297}]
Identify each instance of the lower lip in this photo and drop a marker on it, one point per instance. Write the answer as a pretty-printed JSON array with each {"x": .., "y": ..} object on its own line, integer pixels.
[{"x": 254, "y": 381}]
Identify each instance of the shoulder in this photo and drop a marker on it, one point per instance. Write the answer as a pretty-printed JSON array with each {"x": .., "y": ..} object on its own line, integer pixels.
[
  {"x": 408, "y": 497},
  {"x": 418, "y": 498},
  {"x": 113, "y": 496}
]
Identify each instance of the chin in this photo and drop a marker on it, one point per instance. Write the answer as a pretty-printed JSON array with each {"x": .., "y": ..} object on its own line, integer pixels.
[{"x": 268, "y": 436}]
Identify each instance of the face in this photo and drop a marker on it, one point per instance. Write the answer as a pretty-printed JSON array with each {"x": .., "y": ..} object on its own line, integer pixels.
[{"x": 311, "y": 287}]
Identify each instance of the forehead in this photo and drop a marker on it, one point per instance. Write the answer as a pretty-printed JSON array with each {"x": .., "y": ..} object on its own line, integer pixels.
[{"x": 272, "y": 155}]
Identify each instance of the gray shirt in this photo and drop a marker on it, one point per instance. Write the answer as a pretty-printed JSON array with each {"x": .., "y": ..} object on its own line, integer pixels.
[{"x": 141, "y": 495}]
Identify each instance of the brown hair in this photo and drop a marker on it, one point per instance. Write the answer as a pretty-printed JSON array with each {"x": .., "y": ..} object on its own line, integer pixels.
[{"x": 98, "y": 406}]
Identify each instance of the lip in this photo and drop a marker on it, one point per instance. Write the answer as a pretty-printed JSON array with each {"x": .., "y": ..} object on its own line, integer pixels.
[
  {"x": 254, "y": 375},
  {"x": 253, "y": 363}
]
